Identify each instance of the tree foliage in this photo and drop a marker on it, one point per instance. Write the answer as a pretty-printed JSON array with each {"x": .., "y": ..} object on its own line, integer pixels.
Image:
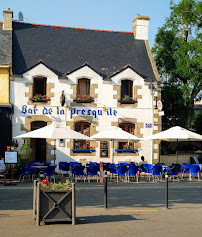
[
  {"x": 173, "y": 106},
  {"x": 178, "y": 50}
]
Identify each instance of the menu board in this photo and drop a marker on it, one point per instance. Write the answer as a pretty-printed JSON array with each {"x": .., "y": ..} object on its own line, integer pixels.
[
  {"x": 104, "y": 149},
  {"x": 11, "y": 157}
]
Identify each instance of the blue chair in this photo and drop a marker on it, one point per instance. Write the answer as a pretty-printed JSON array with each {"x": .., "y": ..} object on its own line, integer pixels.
[
  {"x": 79, "y": 171},
  {"x": 92, "y": 170},
  {"x": 32, "y": 170},
  {"x": 185, "y": 169},
  {"x": 121, "y": 171},
  {"x": 132, "y": 172},
  {"x": 50, "y": 172},
  {"x": 157, "y": 171},
  {"x": 112, "y": 168},
  {"x": 64, "y": 166},
  {"x": 73, "y": 165},
  {"x": 24, "y": 172},
  {"x": 194, "y": 170},
  {"x": 106, "y": 166},
  {"x": 148, "y": 170},
  {"x": 174, "y": 171}
]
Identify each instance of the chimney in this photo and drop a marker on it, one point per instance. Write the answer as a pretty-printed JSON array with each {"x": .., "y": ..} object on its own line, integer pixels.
[
  {"x": 8, "y": 15},
  {"x": 141, "y": 27}
]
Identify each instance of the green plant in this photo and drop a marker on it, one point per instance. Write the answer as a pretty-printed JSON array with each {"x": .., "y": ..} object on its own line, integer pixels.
[
  {"x": 84, "y": 97},
  {"x": 39, "y": 97},
  {"x": 46, "y": 185},
  {"x": 24, "y": 154},
  {"x": 84, "y": 147},
  {"x": 127, "y": 98}
]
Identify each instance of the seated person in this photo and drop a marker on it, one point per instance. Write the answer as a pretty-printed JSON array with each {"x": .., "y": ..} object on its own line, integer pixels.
[
  {"x": 140, "y": 165},
  {"x": 2, "y": 166}
]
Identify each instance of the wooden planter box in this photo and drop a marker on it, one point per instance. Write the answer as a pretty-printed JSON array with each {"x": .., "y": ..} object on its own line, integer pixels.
[
  {"x": 127, "y": 101},
  {"x": 84, "y": 101},
  {"x": 54, "y": 206},
  {"x": 39, "y": 100}
]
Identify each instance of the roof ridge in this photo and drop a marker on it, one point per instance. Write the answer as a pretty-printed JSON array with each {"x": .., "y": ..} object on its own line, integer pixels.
[{"x": 69, "y": 27}]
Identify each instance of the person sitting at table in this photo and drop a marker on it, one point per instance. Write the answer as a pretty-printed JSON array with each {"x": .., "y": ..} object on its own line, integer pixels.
[{"x": 140, "y": 165}]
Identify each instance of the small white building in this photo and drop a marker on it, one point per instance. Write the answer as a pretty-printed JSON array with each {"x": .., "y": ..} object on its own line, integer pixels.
[{"x": 104, "y": 78}]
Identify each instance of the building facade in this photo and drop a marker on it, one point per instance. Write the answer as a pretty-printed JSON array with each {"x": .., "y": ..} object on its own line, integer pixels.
[
  {"x": 6, "y": 108},
  {"x": 87, "y": 80}
]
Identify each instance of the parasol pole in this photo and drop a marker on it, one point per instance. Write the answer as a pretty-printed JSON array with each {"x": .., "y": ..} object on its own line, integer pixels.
[
  {"x": 177, "y": 152},
  {"x": 54, "y": 151},
  {"x": 113, "y": 151}
]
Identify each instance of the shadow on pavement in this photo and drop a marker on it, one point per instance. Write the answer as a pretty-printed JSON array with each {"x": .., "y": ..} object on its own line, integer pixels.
[{"x": 104, "y": 219}]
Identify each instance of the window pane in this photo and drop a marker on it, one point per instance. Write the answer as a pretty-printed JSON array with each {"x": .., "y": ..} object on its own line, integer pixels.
[
  {"x": 39, "y": 86},
  {"x": 126, "y": 88},
  {"x": 83, "y": 128},
  {"x": 127, "y": 127},
  {"x": 83, "y": 87}
]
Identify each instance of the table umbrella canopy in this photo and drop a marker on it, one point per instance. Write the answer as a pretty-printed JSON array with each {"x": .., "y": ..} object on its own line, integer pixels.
[
  {"x": 175, "y": 134},
  {"x": 114, "y": 133},
  {"x": 54, "y": 131}
]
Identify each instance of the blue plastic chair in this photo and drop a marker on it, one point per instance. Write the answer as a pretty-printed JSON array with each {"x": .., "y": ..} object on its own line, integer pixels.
[
  {"x": 157, "y": 171},
  {"x": 50, "y": 172},
  {"x": 148, "y": 170},
  {"x": 106, "y": 166},
  {"x": 174, "y": 171},
  {"x": 112, "y": 168},
  {"x": 194, "y": 170},
  {"x": 185, "y": 169},
  {"x": 92, "y": 170},
  {"x": 24, "y": 172},
  {"x": 64, "y": 166},
  {"x": 79, "y": 171},
  {"x": 121, "y": 171},
  {"x": 132, "y": 171},
  {"x": 73, "y": 165}
]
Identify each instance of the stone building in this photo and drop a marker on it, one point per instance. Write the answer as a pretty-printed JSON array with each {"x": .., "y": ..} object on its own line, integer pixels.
[
  {"x": 5, "y": 71},
  {"x": 87, "y": 80}
]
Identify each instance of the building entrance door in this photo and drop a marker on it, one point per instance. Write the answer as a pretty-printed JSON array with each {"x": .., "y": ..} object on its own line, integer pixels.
[{"x": 38, "y": 145}]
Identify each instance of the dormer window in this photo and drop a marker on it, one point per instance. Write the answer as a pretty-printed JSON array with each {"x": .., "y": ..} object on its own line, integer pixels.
[
  {"x": 83, "y": 91},
  {"x": 39, "y": 90},
  {"x": 39, "y": 86},
  {"x": 83, "y": 87},
  {"x": 127, "y": 92},
  {"x": 126, "y": 89}
]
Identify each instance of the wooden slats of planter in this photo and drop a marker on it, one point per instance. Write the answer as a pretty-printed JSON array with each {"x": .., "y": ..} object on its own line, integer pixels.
[{"x": 54, "y": 206}]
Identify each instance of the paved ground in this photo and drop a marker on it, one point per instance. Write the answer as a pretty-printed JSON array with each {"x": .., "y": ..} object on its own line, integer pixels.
[{"x": 134, "y": 210}]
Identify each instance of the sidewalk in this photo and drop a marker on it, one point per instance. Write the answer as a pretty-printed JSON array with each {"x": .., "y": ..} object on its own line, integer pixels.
[{"x": 135, "y": 209}]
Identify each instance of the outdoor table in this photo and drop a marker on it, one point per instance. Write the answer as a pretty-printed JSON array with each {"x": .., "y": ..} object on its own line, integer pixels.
[{"x": 39, "y": 167}]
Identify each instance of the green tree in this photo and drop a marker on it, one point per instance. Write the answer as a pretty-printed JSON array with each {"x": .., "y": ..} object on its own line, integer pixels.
[
  {"x": 197, "y": 125},
  {"x": 24, "y": 154},
  {"x": 173, "y": 106},
  {"x": 178, "y": 51}
]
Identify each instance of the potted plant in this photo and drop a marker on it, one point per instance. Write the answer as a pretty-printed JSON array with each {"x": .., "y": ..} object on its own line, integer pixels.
[
  {"x": 54, "y": 202},
  {"x": 39, "y": 98},
  {"x": 24, "y": 154},
  {"x": 83, "y": 98},
  {"x": 127, "y": 100}
]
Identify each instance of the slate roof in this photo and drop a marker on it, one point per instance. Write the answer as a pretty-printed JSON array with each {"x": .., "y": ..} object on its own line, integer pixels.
[
  {"x": 5, "y": 46},
  {"x": 64, "y": 49}
]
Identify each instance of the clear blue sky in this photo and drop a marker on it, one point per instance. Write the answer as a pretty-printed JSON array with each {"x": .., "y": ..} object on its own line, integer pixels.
[{"x": 92, "y": 14}]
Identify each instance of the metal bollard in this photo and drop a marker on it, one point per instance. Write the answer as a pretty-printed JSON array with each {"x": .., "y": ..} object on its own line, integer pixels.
[
  {"x": 105, "y": 190},
  {"x": 166, "y": 190}
]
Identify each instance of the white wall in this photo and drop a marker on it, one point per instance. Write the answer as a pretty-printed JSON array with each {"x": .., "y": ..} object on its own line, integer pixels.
[{"x": 143, "y": 112}]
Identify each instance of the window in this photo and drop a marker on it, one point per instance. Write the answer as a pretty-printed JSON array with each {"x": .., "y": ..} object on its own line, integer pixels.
[
  {"x": 83, "y": 128},
  {"x": 130, "y": 128},
  {"x": 39, "y": 86},
  {"x": 83, "y": 87},
  {"x": 126, "y": 90}
]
